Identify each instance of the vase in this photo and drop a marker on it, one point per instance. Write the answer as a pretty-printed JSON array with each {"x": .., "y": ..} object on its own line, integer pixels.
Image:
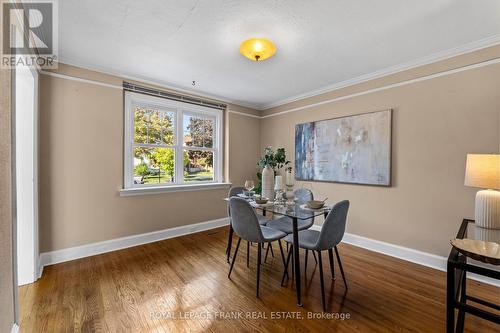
[{"x": 268, "y": 183}]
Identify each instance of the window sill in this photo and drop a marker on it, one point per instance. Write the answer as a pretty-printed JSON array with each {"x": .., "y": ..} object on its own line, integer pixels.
[{"x": 127, "y": 192}]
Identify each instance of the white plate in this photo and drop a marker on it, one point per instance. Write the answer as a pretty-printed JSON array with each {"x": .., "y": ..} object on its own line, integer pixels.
[
  {"x": 254, "y": 204},
  {"x": 304, "y": 206}
]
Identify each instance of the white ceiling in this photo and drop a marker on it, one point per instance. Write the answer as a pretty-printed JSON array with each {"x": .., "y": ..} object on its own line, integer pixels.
[{"x": 321, "y": 44}]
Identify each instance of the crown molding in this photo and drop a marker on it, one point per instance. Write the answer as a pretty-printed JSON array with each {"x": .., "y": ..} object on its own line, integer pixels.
[
  {"x": 158, "y": 83},
  {"x": 245, "y": 114},
  {"x": 307, "y": 106},
  {"x": 79, "y": 79},
  {"x": 432, "y": 58},
  {"x": 390, "y": 86},
  {"x": 114, "y": 86}
]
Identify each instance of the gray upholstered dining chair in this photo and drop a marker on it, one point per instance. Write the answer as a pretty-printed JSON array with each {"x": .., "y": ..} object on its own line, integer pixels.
[
  {"x": 328, "y": 238},
  {"x": 247, "y": 227},
  {"x": 233, "y": 192}
]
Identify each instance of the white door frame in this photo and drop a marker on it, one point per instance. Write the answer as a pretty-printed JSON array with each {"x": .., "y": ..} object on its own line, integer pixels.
[{"x": 28, "y": 269}]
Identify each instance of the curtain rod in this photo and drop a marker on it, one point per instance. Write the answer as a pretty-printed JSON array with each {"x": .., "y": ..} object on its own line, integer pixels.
[{"x": 176, "y": 97}]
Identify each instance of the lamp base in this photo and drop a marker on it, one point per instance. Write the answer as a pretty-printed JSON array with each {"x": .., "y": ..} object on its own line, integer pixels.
[{"x": 488, "y": 209}]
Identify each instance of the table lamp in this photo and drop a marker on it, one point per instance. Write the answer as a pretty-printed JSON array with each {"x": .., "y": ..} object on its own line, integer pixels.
[{"x": 483, "y": 171}]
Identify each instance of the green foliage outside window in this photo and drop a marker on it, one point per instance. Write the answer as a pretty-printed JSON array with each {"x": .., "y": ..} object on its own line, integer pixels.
[
  {"x": 157, "y": 165},
  {"x": 141, "y": 170}
]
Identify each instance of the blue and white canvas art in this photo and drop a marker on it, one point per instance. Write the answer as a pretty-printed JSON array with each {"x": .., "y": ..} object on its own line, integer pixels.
[{"x": 354, "y": 149}]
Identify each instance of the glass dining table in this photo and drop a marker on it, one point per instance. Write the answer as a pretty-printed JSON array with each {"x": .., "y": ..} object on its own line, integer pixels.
[{"x": 294, "y": 211}]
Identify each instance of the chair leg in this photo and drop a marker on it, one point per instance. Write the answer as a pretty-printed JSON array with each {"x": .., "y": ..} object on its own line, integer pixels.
[
  {"x": 267, "y": 252},
  {"x": 320, "y": 263},
  {"x": 340, "y": 266},
  {"x": 272, "y": 252},
  {"x": 285, "y": 273},
  {"x": 305, "y": 261},
  {"x": 229, "y": 243},
  {"x": 234, "y": 258},
  {"x": 259, "y": 253},
  {"x": 248, "y": 254},
  {"x": 314, "y": 255},
  {"x": 282, "y": 256},
  {"x": 332, "y": 268}
]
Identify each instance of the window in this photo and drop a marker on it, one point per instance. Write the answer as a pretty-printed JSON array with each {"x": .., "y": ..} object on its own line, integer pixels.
[{"x": 170, "y": 143}]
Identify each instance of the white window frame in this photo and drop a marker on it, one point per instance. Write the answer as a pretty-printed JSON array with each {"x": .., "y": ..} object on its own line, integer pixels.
[{"x": 132, "y": 100}]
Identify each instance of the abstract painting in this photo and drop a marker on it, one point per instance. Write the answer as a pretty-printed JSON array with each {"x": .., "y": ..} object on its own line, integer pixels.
[{"x": 354, "y": 149}]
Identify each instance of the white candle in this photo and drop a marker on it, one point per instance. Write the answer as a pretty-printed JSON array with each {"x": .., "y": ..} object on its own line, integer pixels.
[
  {"x": 288, "y": 178},
  {"x": 278, "y": 183}
]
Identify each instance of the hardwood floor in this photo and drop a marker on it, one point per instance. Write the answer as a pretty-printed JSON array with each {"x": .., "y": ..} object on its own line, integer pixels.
[{"x": 140, "y": 289}]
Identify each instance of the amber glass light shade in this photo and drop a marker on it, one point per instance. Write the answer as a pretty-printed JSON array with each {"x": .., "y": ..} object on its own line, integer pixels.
[{"x": 257, "y": 49}]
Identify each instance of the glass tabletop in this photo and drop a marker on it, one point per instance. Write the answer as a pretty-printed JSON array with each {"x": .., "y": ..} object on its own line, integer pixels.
[
  {"x": 295, "y": 210},
  {"x": 292, "y": 210},
  {"x": 474, "y": 232}
]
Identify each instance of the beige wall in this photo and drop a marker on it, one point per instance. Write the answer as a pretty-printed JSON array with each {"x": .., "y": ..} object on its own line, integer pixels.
[
  {"x": 81, "y": 167},
  {"x": 6, "y": 237},
  {"x": 436, "y": 123},
  {"x": 244, "y": 139}
]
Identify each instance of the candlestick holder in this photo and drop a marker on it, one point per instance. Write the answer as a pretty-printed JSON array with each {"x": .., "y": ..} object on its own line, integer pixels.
[
  {"x": 289, "y": 194},
  {"x": 278, "y": 187},
  {"x": 279, "y": 199}
]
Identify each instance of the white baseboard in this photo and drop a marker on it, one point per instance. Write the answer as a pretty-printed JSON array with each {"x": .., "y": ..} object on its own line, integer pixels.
[
  {"x": 405, "y": 253},
  {"x": 40, "y": 267},
  {"x": 401, "y": 252},
  {"x": 87, "y": 250},
  {"x": 15, "y": 328}
]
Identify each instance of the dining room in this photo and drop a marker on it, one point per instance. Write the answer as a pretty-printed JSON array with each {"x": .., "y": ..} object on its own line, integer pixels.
[{"x": 258, "y": 166}]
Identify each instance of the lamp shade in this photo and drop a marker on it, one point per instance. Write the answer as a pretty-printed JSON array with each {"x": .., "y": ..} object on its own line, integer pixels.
[{"x": 483, "y": 171}]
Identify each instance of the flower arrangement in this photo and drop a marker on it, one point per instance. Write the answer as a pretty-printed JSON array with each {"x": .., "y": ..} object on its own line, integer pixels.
[{"x": 273, "y": 159}]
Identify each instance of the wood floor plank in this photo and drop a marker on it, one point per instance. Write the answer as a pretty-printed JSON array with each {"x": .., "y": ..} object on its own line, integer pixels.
[{"x": 181, "y": 285}]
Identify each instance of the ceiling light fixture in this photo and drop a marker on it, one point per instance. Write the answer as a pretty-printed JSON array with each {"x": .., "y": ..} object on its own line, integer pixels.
[{"x": 257, "y": 49}]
